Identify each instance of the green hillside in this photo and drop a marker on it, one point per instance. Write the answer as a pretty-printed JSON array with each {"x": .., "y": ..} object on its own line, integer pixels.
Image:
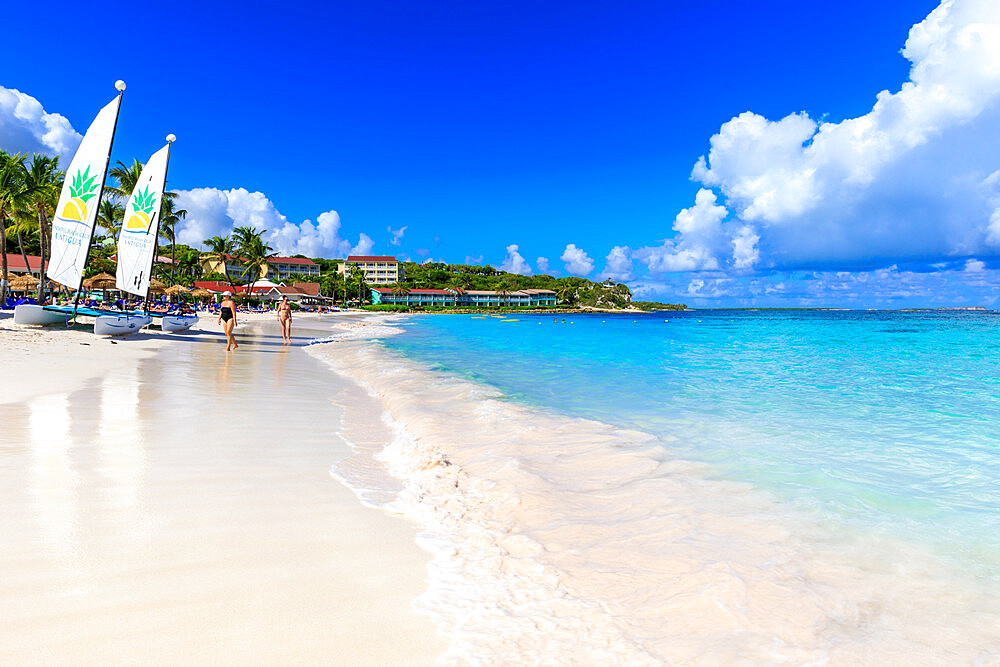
[{"x": 572, "y": 291}]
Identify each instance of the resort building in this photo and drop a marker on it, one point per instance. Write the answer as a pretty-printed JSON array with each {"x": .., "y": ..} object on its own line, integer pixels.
[
  {"x": 232, "y": 266},
  {"x": 526, "y": 298},
  {"x": 15, "y": 264},
  {"x": 265, "y": 290},
  {"x": 276, "y": 268},
  {"x": 279, "y": 268},
  {"x": 378, "y": 269},
  {"x": 523, "y": 298},
  {"x": 415, "y": 297}
]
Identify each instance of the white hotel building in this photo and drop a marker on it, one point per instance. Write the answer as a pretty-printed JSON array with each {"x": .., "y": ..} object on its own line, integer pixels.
[{"x": 378, "y": 269}]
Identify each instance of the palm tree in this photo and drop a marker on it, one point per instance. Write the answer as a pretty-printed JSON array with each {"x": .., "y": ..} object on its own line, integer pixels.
[
  {"x": 329, "y": 281},
  {"x": 245, "y": 235},
  {"x": 22, "y": 223},
  {"x": 462, "y": 281},
  {"x": 169, "y": 217},
  {"x": 110, "y": 215},
  {"x": 256, "y": 252},
  {"x": 11, "y": 194},
  {"x": 43, "y": 183},
  {"x": 504, "y": 290},
  {"x": 567, "y": 293},
  {"x": 399, "y": 291},
  {"x": 243, "y": 238},
  {"x": 126, "y": 177},
  {"x": 358, "y": 277},
  {"x": 222, "y": 247},
  {"x": 189, "y": 264}
]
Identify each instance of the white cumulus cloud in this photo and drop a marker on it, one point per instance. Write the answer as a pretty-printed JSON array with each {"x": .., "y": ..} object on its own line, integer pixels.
[
  {"x": 25, "y": 127},
  {"x": 214, "y": 212},
  {"x": 619, "y": 265},
  {"x": 909, "y": 179},
  {"x": 700, "y": 239},
  {"x": 745, "y": 252},
  {"x": 543, "y": 264},
  {"x": 514, "y": 262},
  {"x": 364, "y": 245},
  {"x": 313, "y": 239},
  {"x": 577, "y": 261}
]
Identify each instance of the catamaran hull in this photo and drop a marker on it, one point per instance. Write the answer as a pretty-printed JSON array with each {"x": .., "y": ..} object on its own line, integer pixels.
[
  {"x": 28, "y": 313},
  {"x": 120, "y": 325},
  {"x": 172, "y": 323}
]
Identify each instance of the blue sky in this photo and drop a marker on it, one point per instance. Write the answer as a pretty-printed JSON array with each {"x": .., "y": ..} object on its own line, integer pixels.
[{"x": 571, "y": 131}]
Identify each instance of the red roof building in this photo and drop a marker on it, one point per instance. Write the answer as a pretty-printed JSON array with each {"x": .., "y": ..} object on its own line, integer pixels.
[
  {"x": 468, "y": 298},
  {"x": 279, "y": 268},
  {"x": 220, "y": 287},
  {"x": 295, "y": 292},
  {"x": 377, "y": 269},
  {"x": 15, "y": 264},
  {"x": 160, "y": 259},
  {"x": 388, "y": 290}
]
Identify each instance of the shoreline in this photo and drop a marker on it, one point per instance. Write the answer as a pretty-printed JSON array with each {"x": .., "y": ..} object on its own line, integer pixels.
[
  {"x": 564, "y": 536},
  {"x": 126, "y": 544},
  {"x": 639, "y": 311}
]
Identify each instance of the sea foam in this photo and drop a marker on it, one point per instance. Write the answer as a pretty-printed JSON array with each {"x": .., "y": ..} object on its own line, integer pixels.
[{"x": 568, "y": 541}]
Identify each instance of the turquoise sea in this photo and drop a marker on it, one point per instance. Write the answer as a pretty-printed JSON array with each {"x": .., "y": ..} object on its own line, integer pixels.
[{"x": 875, "y": 421}]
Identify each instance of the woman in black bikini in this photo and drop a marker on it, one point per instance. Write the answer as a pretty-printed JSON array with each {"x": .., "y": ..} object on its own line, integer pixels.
[{"x": 227, "y": 318}]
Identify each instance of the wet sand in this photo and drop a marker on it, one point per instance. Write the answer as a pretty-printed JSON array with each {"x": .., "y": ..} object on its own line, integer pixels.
[{"x": 180, "y": 509}]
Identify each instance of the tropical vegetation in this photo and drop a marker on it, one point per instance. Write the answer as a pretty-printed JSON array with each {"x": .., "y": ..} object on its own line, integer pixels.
[
  {"x": 570, "y": 290},
  {"x": 29, "y": 193}
]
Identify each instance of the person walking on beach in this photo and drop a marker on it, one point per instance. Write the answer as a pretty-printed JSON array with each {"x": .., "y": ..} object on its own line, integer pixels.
[
  {"x": 285, "y": 317},
  {"x": 227, "y": 318}
]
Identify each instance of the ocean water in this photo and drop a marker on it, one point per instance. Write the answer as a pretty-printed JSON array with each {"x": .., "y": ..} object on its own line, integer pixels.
[
  {"x": 784, "y": 487},
  {"x": 887, "y": 420}
]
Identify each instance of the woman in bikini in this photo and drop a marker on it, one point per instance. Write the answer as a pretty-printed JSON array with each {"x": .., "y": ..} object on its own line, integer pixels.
[
  {"x": 285, "y": 317},
  {"x": 227, "y": 318}
]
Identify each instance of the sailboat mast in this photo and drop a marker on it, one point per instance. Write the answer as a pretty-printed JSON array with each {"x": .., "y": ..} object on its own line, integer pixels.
[
  {"x": 156, "y": 234},
  {"x": 120, "y": 86}
]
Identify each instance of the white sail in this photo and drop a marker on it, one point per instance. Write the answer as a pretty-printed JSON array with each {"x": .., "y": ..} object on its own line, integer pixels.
[
  {"x": 76, "y": 213},
  {"x": 137, "y": 240}
]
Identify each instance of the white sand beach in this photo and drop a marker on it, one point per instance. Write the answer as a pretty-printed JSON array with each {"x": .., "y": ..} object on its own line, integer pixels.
[{"x": 167, "y": 503}]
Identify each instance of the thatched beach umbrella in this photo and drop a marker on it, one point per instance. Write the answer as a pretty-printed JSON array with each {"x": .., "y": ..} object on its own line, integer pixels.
[
  {"x": 200, "y": 294},
  {"x": 157, "y": 286},
  {"x": 24, "y": 283},
  {"x": 101, "y": 281},
  {"x": 175, "y": 290}
]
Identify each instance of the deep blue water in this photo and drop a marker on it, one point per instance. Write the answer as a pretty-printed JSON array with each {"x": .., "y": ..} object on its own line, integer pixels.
[{"x": 883, "y": 421}]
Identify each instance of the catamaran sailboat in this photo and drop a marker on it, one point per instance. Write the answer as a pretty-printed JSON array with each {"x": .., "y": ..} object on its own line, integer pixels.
[
  {"x": 76, "y": 214},
  {"x": 73, "y": 230},
  {"x": 137, "y": 251}
]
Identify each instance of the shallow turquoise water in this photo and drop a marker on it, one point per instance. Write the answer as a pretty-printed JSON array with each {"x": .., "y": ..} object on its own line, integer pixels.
[{"x": 879, "y": 421}]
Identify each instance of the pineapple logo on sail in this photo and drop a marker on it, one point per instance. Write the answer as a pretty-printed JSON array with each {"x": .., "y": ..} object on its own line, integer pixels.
[
  {"x": 143, "y": 204},
  {"x": 82, "y": 189}
]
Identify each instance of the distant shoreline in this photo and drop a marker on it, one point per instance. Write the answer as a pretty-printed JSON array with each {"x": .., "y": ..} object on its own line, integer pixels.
[{"x": 635, "y": 311}]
